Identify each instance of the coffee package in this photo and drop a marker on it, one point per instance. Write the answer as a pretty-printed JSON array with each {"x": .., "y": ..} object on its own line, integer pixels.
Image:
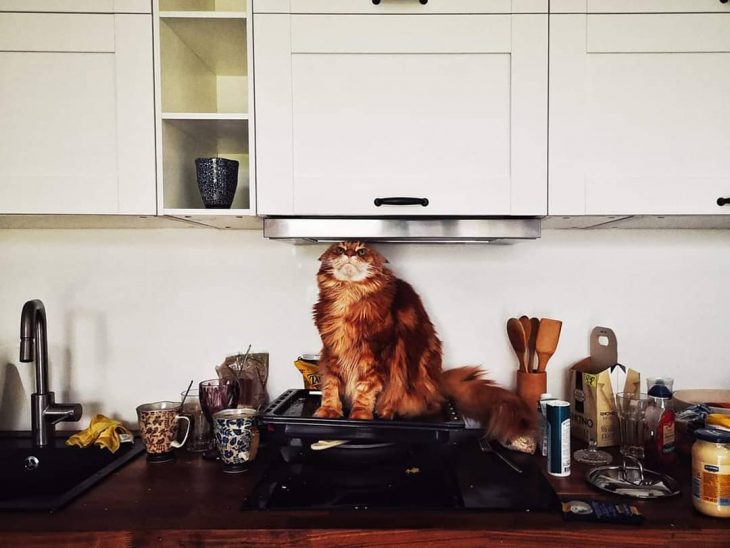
[{"x": 592, "y": 401}]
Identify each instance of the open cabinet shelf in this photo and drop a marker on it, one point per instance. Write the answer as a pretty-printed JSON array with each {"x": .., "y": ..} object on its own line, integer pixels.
[
  {"x": 209, "y": 6},
  {"x": 203, "y": 52}
]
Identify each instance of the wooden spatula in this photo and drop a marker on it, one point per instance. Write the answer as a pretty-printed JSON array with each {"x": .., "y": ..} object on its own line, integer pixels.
[
  {"x": 548, "y": 335},
  {"x": 529, "y": 326},
  {"x": 517, "y": 338}
]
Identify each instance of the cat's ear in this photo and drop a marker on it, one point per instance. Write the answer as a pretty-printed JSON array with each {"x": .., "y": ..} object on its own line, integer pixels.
[
  {"x": 377, "y": 254},
  {"x": 327, "y": 252}
]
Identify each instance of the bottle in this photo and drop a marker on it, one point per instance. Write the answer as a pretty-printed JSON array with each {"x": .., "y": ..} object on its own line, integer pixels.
[
  {"x": 660, "y": 423},
  {"x": 711, "y": 472}
]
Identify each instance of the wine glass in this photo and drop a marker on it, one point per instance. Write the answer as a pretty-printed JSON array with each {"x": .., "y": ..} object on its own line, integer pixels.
[
  {"x": 592, "y": 455},
  {"x": 215, "y": 395}
]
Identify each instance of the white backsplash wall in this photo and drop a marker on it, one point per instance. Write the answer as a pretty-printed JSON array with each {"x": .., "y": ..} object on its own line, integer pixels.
[{"x": 134, "y": 315}]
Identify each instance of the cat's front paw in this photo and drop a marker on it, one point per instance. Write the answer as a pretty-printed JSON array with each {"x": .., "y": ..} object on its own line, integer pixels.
[
  {"x": 386, "y": 414},
  {"x": 328, "y": 413},
  {"x": 360, "y": 414}
]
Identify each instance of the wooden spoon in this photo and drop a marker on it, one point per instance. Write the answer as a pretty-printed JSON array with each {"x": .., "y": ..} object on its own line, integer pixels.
[
  {"x": 530, "y": 336},
  {"x": 532, "y": 343},
  {"x": 517, "y": 337},
  {"x": 548, "y": 335}
]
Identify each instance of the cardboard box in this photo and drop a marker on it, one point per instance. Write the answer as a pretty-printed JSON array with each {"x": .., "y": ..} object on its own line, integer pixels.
[{"x": 592, "y": 402}]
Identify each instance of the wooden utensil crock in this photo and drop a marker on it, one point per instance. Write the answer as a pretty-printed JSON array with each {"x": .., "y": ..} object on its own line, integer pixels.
[{"x": 530, "y": 386}]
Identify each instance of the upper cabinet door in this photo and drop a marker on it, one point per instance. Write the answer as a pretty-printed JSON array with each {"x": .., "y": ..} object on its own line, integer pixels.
[
  {"x": 76, "y": 114},
  {"x": 640, "y": 109},
  {"x": 354, "y": 108},
  {"x": 78, "y": 6},
  {"x": 637, "y": 6}
]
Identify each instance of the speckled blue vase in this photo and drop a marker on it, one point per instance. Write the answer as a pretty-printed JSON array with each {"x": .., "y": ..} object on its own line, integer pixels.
[
  {"x": 236, "y": 438},
  {"x": 217, "y": 181}
]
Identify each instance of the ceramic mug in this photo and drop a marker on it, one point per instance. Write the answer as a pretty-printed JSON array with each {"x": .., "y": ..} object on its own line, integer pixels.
[
  {"x": 236, "y": 437},
  {"x": 158, "y": 426}
]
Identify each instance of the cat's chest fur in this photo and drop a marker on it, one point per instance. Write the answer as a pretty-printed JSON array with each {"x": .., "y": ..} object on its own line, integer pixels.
[{"x": 348, "y": 318}]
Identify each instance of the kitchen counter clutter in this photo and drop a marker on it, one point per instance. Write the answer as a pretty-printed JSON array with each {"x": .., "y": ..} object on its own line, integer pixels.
[{"x": 191, "y": 500}]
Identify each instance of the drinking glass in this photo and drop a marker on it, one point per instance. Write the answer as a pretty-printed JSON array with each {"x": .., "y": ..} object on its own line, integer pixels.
[
  {"x": 592, "y": 455},
  {"x": 200, "y": 435},
  {"x": 631, "y": 409},
  {"x": 216, "y": 395}
]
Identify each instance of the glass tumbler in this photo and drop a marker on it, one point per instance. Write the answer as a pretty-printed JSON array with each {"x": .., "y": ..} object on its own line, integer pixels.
[
  {"x": 631, "y": 409},
  {"x": 200, "y": 437},
  {"x": 216, "y": 395}
]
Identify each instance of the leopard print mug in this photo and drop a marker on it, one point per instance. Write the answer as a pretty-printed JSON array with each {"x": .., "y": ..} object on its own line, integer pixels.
[{"x": 158, "y": 426}]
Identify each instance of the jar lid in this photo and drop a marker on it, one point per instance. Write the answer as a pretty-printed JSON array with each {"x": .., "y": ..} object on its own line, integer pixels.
[
  {"x": 660, "y": 391},
  {"x": 713, "y": 435}
]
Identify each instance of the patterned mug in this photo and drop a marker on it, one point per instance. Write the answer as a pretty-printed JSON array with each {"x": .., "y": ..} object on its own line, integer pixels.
[
  {"x": 158, "y": 425},
  {"x": 236, "y": 437}
]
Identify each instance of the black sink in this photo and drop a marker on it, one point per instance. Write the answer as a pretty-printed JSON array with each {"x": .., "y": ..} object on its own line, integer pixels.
[{"x": 48, "y": 478}]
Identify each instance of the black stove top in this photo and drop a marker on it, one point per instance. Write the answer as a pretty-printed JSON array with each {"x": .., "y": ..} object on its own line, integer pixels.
[{"x": 405, "y": 477}]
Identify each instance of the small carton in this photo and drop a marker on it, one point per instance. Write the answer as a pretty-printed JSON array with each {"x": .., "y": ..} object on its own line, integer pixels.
[{"x": 593, "y": 407}]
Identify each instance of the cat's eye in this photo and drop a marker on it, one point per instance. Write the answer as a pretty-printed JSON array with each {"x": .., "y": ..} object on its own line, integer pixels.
[
  {"x": 361, "y": 251},
  {"x": 340, "y": 250}
]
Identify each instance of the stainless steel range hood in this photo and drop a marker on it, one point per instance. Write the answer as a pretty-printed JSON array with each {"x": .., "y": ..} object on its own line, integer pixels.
[{"x": 402, "y": 230}]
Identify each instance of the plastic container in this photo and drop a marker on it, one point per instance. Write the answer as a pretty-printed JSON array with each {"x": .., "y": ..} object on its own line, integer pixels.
[
  {"x": 542, "y": 421},
  {"x": 711, "y": 472}
]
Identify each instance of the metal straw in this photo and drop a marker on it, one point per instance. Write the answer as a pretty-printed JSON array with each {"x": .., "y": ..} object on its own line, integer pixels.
[
  {"x": 186, "y": 395},
  {"x": 243, "y": 362}
]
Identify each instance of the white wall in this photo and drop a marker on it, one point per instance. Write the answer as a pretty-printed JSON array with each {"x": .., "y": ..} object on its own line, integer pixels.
[{"x": 134, "y": 315}]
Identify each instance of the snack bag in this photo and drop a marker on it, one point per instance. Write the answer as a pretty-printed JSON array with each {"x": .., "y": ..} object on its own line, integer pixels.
[{"x": 308, "y": 365}]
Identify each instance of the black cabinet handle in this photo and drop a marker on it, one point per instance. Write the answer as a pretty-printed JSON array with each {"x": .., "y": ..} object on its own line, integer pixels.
[
  {"x": 723, "y": 1},
  {"x": 424, "y": 2},
  {"x": 723, "y": 201},
  {"x": 399, "y": 200}
]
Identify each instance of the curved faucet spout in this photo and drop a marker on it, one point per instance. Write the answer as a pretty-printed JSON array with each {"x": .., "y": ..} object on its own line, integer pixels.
[
  {"x": 34, "y": 342},
  {"x": 45, "y": 412}
]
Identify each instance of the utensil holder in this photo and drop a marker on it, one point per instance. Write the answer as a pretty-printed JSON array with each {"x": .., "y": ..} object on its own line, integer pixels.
[{"x": 530, "y": 386}]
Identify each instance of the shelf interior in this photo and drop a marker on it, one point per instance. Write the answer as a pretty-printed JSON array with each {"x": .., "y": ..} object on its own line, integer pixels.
[
  {"x": 184, "y": 140},
  {"x": 203, "y": 65},
  {"x": 203, "y": 5}
]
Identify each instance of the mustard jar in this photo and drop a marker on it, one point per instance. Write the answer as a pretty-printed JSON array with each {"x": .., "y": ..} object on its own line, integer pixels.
[{"x": 711, "y": 472}]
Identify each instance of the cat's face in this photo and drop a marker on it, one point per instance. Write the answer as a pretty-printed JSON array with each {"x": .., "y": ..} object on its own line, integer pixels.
[{"x": 352, "y": 261}]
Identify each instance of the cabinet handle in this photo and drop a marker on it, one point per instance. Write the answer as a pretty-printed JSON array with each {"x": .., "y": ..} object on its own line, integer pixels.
[
  {"x": 723, "y": 1},
  {"x": 723, "y": 201},
  {"x": 424, "y": 2},
  {"x": 399, "y": 200}
]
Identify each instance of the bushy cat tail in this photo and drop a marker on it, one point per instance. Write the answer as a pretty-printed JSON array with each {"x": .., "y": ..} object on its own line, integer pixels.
[{"x": 502, "y": 414}]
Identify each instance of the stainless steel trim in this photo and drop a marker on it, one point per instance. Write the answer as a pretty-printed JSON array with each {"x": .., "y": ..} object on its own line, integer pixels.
[{"x": 401, "y": 230}]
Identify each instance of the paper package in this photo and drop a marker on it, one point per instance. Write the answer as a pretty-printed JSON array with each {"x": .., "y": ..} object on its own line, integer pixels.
[{"x": 592, "y": 402}]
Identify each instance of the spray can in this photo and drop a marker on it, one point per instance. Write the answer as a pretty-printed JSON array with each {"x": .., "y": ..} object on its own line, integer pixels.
[{"x": 558, "y": 437}]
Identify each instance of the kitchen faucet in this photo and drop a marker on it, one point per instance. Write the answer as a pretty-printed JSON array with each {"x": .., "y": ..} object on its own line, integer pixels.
[{"x": 44, "y": 411}]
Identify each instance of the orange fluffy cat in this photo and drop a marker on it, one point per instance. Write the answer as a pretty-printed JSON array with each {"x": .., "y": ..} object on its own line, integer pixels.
[{"x": 381, "y": 356}]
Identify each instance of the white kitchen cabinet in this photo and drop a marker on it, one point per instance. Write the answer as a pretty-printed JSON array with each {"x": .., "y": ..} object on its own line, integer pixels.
[
  {"x": 445, "y": 102},
  {"x": 76, "y": 113},
  {"x": 204, "y": 107},
  {"x": 639, "y": 107},
  {"x": 77, "y": 6}
]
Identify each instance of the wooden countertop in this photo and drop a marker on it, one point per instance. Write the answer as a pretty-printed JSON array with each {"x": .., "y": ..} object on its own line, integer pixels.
[{"x": 191, "y": 501}]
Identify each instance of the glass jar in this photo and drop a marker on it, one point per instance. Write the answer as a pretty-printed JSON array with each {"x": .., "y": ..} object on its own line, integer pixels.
[{"x": 711, "y": 472}]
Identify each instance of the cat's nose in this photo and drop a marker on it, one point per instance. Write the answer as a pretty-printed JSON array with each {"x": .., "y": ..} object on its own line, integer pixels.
[{"x": 350, "y": 253}]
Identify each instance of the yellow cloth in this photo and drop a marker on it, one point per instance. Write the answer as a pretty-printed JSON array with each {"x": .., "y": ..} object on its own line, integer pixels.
[
  {"x": 102, "y": 431},
  {"x": 718, "y": 419}
]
